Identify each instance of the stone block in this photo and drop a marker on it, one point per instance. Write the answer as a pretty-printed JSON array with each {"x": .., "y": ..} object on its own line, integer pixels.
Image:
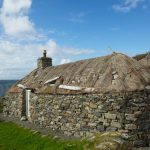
[
  {"x": 97, "y": 114},
  {"x": 77, "y": 134},
  {"x": 102, "y": 120},
  {"x": 68, "y": 133},
  {"x": 64, "y": 120},
  {"x": 139, "y": 104},
  {"x": 92, "y": 124},
  {"x": 87, "y": 108},
  {"x": 90, "y": 116},
  {"x": 102, "y": 111},
  {"x": 111, "y": 100},
  {"x": 23, "y": 118},
  {"x": 130, "y": 117},
  {"x": 137, "y": 113},
  {"x": 120, "y": 116},
  {"x": 100, "y": 106},
  {"x": 81, "y": 134},
  {"x": 106, "y": 124},
  {"x": 100, "y": 128},
  {"x": 78, "y": 126},
  {"x": 85, "y": 128},
  {"x": 111, "y": 129},
  {"x": 85, "y": 103},
  {"x": 130, "y": 127},
  {"x": 56, "y": 107},
  {"x": 110, "y": 116},
  {"x": 92, "y": 105},
  {"x": 116, "y": 124}
]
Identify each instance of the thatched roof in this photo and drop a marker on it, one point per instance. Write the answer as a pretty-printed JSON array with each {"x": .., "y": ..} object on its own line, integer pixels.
[
  {"x": 146, "y": 61},
  {"x": 116, "y": 72}
]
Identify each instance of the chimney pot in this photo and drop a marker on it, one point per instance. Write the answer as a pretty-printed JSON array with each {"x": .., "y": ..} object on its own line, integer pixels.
[
  {"x": 44, "y": 61},
  {"x": 44, "y": 53}
]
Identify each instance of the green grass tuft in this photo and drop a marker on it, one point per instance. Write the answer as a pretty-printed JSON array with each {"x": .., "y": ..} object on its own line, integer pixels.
[{"x": 13, "y": 137}]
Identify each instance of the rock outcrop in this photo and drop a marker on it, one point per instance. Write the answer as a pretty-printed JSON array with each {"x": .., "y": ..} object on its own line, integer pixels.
[{"x": 109, "y": 141}]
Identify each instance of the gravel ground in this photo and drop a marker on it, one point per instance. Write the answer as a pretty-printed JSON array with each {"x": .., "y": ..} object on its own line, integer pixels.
[{"x": 44, "y": 131}]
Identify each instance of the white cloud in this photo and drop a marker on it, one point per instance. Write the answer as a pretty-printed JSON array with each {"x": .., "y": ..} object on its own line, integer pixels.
[
  {"x": 16, "y": 26},
  {"x": 20, "y": 6},
  {"x": 65, "y": 60},
  {"x": 127, "y": 5},
  {"x": 19, "y": 48},
  {"x": 17, "y": 60},
  {"x": 14, "y": 19}
]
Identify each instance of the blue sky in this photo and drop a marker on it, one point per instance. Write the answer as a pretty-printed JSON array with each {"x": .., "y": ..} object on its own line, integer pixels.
[
  {"x": 95, "y": 24},
  {"x": 70, "y": 30}
]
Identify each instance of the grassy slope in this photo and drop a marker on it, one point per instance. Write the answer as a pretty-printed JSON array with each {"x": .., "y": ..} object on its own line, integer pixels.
[{"x": 13, "y": 137}]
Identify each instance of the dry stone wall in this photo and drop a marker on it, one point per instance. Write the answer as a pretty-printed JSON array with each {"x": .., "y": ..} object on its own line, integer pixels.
[
  {"x": 14, "y": 105},
  {"x": 80, "y": 115}
]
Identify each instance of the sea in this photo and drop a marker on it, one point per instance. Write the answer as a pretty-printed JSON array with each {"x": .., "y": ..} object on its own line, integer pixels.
[{"x": 5, "y": 85}]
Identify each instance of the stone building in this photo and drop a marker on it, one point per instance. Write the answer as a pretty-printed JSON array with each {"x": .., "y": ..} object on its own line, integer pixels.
[{"x": 109, "y": 93}]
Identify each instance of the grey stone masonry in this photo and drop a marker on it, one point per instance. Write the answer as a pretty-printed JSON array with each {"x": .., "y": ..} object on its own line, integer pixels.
[
  {"x": 79, "y": 115},
  {"x": 44, "y": 62}
]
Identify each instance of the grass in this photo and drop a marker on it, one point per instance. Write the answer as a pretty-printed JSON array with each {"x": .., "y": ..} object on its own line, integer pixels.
[{"x": 13, "y": 137}]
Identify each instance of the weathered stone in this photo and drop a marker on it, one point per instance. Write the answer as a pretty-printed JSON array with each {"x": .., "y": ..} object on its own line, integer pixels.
[
  {"x": 106, "y": 124},
  {"x": 92, "y": 124},
  {"x": 90, "y": 116},
  {"x": 98, "y": 114},
  {"x": 139, "y": 143},
  {"x": 110, "y": 116},
  {"x": 68, "y": 133},
  {"x": 102, "y": 111},
  {"x": 87, "y": 108},
  {"x": 86, "y": 113},
  {"x": 85, "y": 103},
  {"x": 23, "y": 118},
  {"x": 130, "y": 117},
  {"x": 137, "y": 113},
  {"x": 85, "y": 128},
  {"x": 108, "y": 141},
  {"x": 77, "y": 135},
  {"x": 56, "y": 107},
  {"x": 116, "y": 124},
  {"x": 139, "y": 104},
  {"x": 102, "y": 120},
  {"x": 100, "y": 128},
  {"x": 92, "y": 105},
  {"x": 64, "y": 120},
  {"x": 130, "y": 126},
  {"x": 78, "y": 126},
  {"x": 111, "y": 129}
]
